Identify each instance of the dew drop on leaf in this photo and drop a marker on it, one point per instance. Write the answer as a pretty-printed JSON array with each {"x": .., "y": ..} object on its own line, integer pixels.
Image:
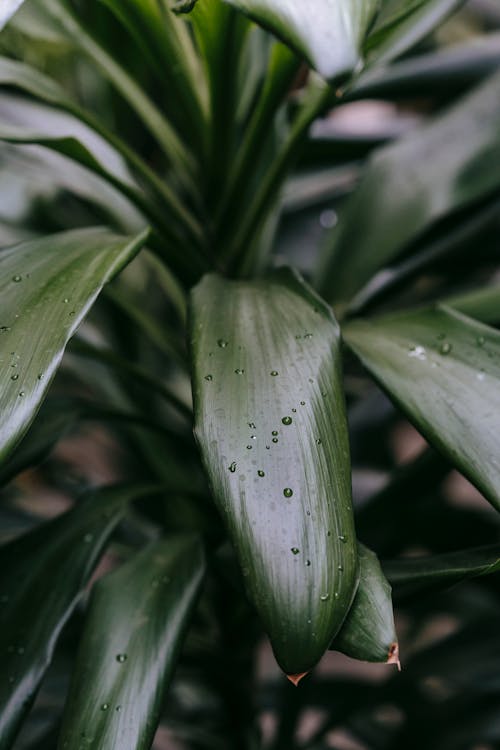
[
  {"x": 121, "y": 658},
  {"x": 238, "y": 371},
  {"x": 445, "y": 348},
  {"x": 288, "y": 492},
  {"x": 295, "y": 550},
  {"x": 274, "y": 373},
  {"x": 287, "y": 420},
  {"x": 208, "y": 377},
  {"x": 222, "y": 343},
  {"x": 324, "y": 597},
  {"x": 14, "y": 377},
  {"x": 17, "y": 278},
  {"x": 232, "y": 467},
  {"x": 261, "y": 473},
  {"x": 104, "y": 706}
]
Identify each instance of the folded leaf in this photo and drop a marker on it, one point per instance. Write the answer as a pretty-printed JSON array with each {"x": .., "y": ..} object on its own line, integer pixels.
[
  {"x": 368, "y": 632},
  {"x": 134, "y": 629},
  {"x": 46, "y": 288},
  {"x": 270, "y": 422},
  {"x": 328, "y": 33},
  {"x": 41, "y": 577},
  {"x": 416, "y": 575},
  {"x": 443, "y": 369},
  {"x": 410, "y": 185}
]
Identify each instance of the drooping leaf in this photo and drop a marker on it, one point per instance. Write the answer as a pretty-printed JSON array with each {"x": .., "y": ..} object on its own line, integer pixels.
[
  {"x": 402, "y": 23},
  {"x": 328, "y": 33},
  {"x": 134, "y": 629},
  {"x": 46, "y": 288},
  {"x": 443, "y": 370},
  {"x": 368, "y": 632},
  {"x": 42, "y": 575},
  {"x": 482, "y": 304},
  {"x": 416, "y": 575},
  {"x": 7, "y": 10},
  {"x": 270, "y": 422},
  {"x": 410, "y": 185}
]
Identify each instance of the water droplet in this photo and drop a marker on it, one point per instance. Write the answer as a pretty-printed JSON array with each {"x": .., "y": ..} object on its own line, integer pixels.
[
  {"x": 268, "y": 447},
  {"x": 324, "y": 394},
  {"x": 445, "y": 348},
  {"x": 340, "y": 568},
  {"x": 222, "y": 343},
  {"x": 14, "y": 377},
  {"x": 249, "y": 447},
  {"x": 480, "y": 341},
  {"x": 336, "y": 595},
  {"x": 118, "y": 709},
  {"x": 275, "y": 440},
  {"x": 288, "y": 492},
  {"x": 295, "y": 550},
  {"x": 22, "y": 394},
  {"x": 4, "y": 329},
  {"x": 324, "y": 597},
  {"x": 253, "y": 437},
  {"x": 88, "y": 538},
  {"x": 287, "y": 420},
  {"x": 308, "y": 336},
  {"x": 72, "y": 313},
  {"x": 261, "y": 473},
  {"x": 294, "y": 411},
  {"x": 417, "y": 352},
  {"x": 104, "y": 706},
  {"x": 318, "y": 441},
  {"x": 17, "y": 278},
  {"x": 274, "y": 373},
  {"x": 232, "y": 467},
  {"x": 274, "y": 432},
  {"x": 121, "y": 658},
  {"x": 307, "y": 563},
  {"x": 343, "y": 538},
  {"x": 302, "y": 403},
  {"x": 39, "y": 376},
  {"x": 238, "y": 371},
  {"x": 66, "y": 300},
  {"x": 251, "y": 425},
  {"x": 208, "y": 377}
]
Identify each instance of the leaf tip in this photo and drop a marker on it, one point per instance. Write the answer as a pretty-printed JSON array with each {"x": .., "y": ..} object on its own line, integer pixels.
[
  {"x": 296, "y": 678},
  {"x": 393, "y": 656}
]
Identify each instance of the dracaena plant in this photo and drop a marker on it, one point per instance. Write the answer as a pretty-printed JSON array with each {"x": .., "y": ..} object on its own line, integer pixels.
[{"x": 164, "y": 157}]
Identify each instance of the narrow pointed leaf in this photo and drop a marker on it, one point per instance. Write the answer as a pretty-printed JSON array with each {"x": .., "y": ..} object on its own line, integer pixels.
[
  {"x": 134, "y": 629},
  {"x": 417, "y": 575},
  {"x": 328, "y": 33},
  {"x": 368, "y": 632},
  {"x": 410, "y": 185},
  {"x": 403, "y": 23},
  {"x": 443, "y": 369},
  {"x": 7, "y": 10},
  {"x": 46, "y": 288},
  {"x": 42, "y": 575},
  {"x": 270, "y": 422},
  {"x": 482, "y": 304}
]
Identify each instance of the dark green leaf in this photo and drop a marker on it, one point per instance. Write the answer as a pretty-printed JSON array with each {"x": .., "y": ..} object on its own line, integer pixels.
[
  {"x": 328, "y": 33},
  {"x": 42, "y": 575},
  {"x": 408, "y": 186},
  {"x": 443, "y": 370},
  {"x": 368, "y": 632},
  {"x": 416, "y": 575},
  {"x": 134, "y": 629},
  {"x": 47, "y": 287},
  {"x": 482, "y": 304},
  {"x": 402, "y": 23},
  {"x": 270, "y": 422}
]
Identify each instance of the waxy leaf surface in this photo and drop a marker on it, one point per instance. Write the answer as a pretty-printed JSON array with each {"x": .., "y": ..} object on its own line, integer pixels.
[{"x": 270, "y": 422}]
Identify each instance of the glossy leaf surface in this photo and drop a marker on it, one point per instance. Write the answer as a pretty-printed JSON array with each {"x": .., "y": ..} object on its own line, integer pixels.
[
  {"x": 368, "y": 632},
  {"x": 41, "y": 577},
  {"x": 270, "y": 422},
  {"x": 410, "y": 185},
  {"x": 328, "y": 33},
  {"x": 46, "y": 288},
  {"x": 134, "y": 629},
  {"x": 416, "y": 575},
  {"x": 443, "y": 370},
  {"x": 7, "y": 10}
]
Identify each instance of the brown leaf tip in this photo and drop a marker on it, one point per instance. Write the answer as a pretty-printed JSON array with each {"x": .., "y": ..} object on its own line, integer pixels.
[
  {"x": 296, "y": 678},
  {"x": 393, "y": 656}
]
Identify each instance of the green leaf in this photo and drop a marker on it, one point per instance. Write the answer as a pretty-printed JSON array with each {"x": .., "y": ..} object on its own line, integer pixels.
[
  {"x": 7, "y": 9},
  {"x": 416, "y": 575},
  {"x": 134, "y": 629},
  {"x": 270, "y": 422},
  {"x": 328, "y": 33},
  {"x": 443, "y": 370},
  {"x": 368, "y": 632},
  {"x": 46, "y": 288},
  {"x": 482, "y": 304},
  {"x": 42, "y": 575},
  {"x": 408, "y": 186},
  {"x": 402, "y": 23}
]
